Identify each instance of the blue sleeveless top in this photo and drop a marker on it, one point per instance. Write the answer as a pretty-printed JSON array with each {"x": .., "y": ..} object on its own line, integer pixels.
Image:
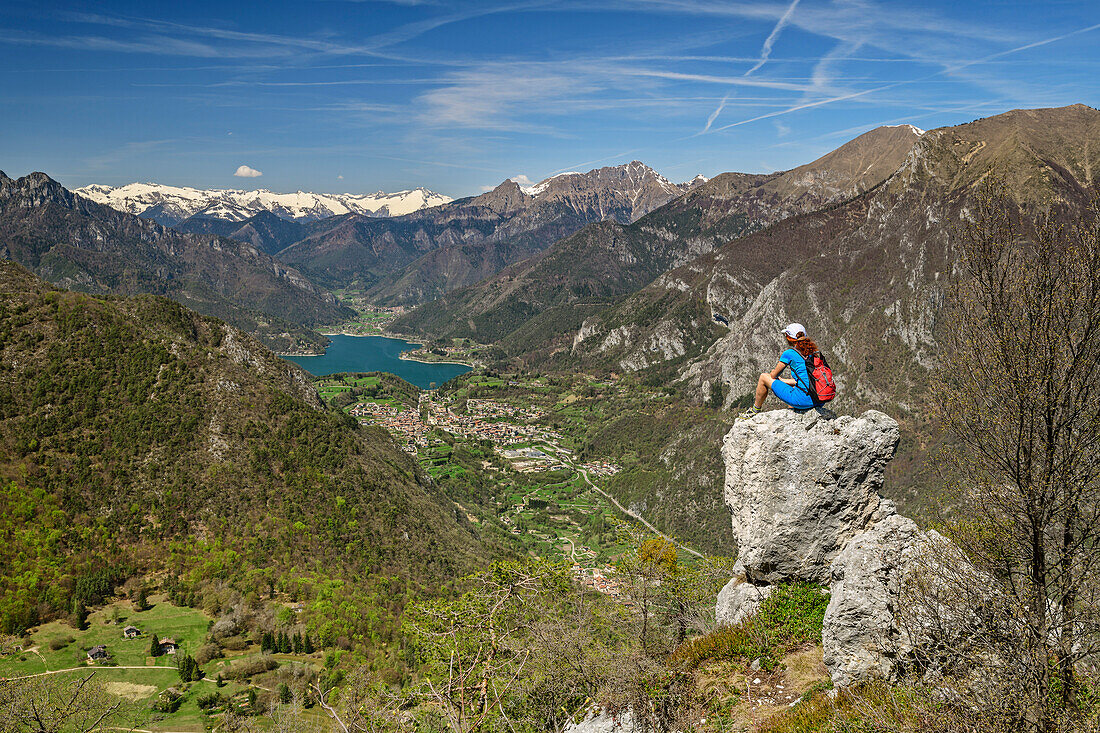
[{"x": 797, "y": 365}]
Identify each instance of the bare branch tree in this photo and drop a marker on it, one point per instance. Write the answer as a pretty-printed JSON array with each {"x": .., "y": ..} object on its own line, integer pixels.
[
  {"x": 1019, "y": 391},
  {"x": 53, "y": 703}
]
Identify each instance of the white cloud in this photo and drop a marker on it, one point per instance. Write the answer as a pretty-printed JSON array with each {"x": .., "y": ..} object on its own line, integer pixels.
[
  {"x": 522, "y": 180},
  {"x": 245, "y": 172},
  {"x": 340, "y": 178}
]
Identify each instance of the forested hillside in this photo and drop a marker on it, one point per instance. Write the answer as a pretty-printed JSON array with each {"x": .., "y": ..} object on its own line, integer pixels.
[{"x": 138, "y": 437}]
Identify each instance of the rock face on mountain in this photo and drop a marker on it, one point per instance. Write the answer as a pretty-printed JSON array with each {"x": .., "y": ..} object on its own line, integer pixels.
[
  {"x": 419, "y": 257},
  {"x": 802, "y": 489},
  {"x": 606, "y": 261},
  {"x": 76, "y": 243},
  {"x": 871, "y": 270}
]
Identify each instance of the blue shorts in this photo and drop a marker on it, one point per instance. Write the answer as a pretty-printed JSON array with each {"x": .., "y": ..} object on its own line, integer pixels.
[{"x": 793, "y": 396}]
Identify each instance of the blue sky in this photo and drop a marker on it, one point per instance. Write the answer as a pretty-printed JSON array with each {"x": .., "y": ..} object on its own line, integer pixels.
[{"x": 334, "y": 95}]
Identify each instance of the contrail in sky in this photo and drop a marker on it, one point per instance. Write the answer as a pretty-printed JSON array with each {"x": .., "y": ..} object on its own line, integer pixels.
[
  {"x": 765, "y": 52},
  {"x": 766, "y": 49}
]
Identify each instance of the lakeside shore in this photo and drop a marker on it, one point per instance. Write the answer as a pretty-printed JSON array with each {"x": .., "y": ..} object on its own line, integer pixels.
[{"x": 404, "y": 355}]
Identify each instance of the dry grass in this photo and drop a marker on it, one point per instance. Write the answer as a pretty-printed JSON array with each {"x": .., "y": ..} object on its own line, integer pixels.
[
  {"x": 130, "y": 690},
  {"x": 743, "y": 699}
]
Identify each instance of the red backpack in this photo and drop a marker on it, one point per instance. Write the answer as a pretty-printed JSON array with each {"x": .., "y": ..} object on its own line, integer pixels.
[{"x": 822, "y": 387}]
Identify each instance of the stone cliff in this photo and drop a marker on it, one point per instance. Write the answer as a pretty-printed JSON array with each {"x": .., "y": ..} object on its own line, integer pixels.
[{"x": 803, "y": 491}]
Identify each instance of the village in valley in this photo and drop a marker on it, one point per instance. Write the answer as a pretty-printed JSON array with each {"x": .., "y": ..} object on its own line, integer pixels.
[{"x": 553, "y": 506}]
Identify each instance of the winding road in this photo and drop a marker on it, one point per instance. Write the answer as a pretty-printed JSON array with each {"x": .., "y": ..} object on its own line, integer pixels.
[{"x": 634, "y": 515}]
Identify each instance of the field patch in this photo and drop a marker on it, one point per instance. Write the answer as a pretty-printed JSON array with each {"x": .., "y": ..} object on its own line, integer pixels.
[{"x": 130, "y": 690}]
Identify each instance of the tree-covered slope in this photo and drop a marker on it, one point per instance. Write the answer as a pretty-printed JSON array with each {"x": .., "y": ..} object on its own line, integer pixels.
[{"x": 138, "y": 436}]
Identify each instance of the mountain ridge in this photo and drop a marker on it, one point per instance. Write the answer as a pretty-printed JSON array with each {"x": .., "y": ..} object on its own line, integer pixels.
[
  {"x": 170, "y": 205},
  {"x": 75, "y": 242},
  {"x": 414, "y": 258},
  {"x": 606, "y": 261}
]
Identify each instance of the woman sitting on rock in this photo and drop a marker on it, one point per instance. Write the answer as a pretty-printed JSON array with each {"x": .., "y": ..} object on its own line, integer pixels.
[{"x": 795, "y": 392}]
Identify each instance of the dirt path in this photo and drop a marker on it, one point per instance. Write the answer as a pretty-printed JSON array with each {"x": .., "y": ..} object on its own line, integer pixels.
[
  {"x": 79, "y": 669},
  {"x": 38, "y": 654}
]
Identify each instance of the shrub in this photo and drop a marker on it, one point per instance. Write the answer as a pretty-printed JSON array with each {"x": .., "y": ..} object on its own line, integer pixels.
[
  {"x": 235, "y": 643},
  {"x": 210, "y": 700},
  {"x": 207, "y": 652},
  {"x": 790, "y": 617},
  {"x": 61, "y": 642},
  {"x": 249, "y": 668}
]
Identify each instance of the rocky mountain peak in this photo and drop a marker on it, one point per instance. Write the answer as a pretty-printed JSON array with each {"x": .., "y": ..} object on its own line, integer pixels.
[
  {"x": 508, "y": 196},
  {"x": 1039, "y": 154},
  {"x": 36, "y": 189}
]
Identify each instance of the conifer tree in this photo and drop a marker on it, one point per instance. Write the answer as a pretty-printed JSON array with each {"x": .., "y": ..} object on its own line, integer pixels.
[
  {"x": 80, "y": 613},
  {"x": 154, "y": 645},
  {"x": 307, "y": 645},
  {"x": 141, "y": 602}
]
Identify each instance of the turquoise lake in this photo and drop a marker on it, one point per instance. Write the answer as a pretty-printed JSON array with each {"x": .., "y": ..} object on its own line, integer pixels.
[{"x": 376, "y": 354}]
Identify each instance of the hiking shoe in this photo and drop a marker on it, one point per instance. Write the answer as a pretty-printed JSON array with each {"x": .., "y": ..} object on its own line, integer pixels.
[{"x": 752, "y": 411}]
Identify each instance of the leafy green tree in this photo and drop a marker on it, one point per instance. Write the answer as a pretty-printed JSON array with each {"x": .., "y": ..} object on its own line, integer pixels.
[
  {"x": 284, "y": 693},
  {"x": 141, "y": 600},
  {"x": 188, "y": 668}
]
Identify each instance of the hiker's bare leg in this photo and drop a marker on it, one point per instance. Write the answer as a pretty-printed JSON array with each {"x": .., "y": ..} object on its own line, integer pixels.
[{"x": 762, "y": 386}]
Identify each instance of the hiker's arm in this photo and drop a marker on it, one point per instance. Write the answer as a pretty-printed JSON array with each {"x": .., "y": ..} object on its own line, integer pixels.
[{"x": 778, "y": 370}]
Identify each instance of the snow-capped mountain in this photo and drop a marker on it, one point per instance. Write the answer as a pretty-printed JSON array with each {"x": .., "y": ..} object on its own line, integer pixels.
[
  {"x": 429, "y": 253},
  {"x": 170, "y": 205}
]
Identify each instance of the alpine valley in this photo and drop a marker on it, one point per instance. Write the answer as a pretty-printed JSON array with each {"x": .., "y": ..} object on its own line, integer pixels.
[{"x": 543, "y": 543}]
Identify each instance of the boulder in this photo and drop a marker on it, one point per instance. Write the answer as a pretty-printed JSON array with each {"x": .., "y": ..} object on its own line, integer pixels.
[
  {"x": 861, "y": 635},
  {"x": 800, "y": 485},
  {"x": 601, "y": 721},
  {"x": 739, "y": 598}
]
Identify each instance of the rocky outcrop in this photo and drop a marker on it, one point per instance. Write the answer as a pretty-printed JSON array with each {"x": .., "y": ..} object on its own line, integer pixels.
[
  {"x": 800, "y": 486},
  {"x": 802, "y": 489},
  {"x": 601, "y": 721}
]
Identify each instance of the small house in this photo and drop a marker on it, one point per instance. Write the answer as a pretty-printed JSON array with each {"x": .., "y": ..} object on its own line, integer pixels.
[
  {"x": 131, "y": 632},
  {"x": 168, "y": 646},
  {"x": 98, "y": 653}
]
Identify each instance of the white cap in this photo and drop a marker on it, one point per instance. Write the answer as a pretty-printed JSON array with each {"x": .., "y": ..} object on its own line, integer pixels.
[{"x": 794, "y": 330}]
